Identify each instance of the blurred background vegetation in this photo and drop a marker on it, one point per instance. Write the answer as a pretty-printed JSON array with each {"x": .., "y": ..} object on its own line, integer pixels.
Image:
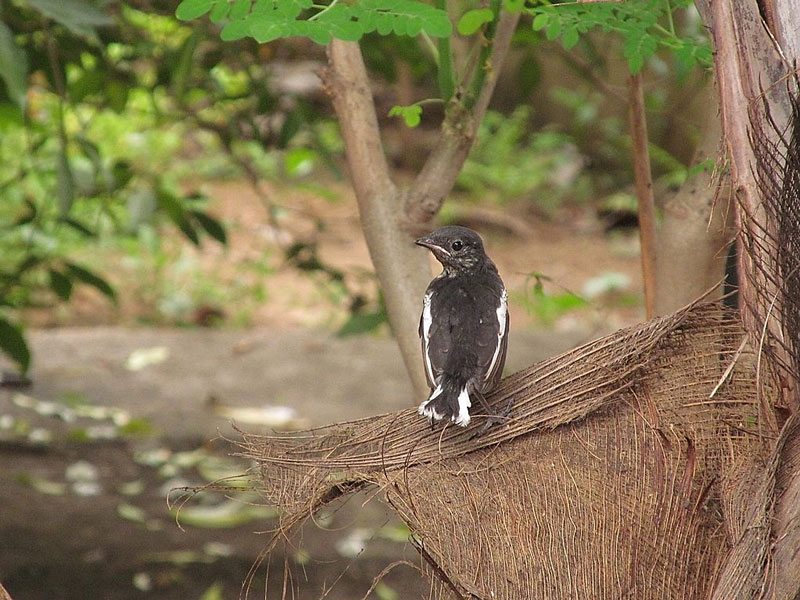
[
  {"x": 153, "y": 174},
  {"x": 115, "y": 116}
]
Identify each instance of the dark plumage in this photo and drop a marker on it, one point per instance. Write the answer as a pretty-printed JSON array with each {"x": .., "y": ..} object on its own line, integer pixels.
[{"x": 464, "y": 326}]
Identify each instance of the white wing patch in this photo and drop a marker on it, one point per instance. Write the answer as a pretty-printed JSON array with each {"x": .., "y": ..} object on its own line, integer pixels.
[
  {"x": 502, "y": 315},
  {"x": 427, "y": 319}
]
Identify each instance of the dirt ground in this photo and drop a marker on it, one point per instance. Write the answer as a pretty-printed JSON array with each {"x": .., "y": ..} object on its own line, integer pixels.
[{"x": 118, "y": 415}]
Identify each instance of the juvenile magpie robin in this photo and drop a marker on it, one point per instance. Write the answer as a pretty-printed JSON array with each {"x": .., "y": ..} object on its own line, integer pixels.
[{"x": 464, "y": 326}]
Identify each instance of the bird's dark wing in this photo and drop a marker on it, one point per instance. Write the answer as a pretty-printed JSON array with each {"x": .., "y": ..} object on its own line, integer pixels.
[{"x": 491, "y": 339}]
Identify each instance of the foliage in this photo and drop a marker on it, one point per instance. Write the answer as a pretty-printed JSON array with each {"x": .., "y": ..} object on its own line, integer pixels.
[
  {"x": 267, "y": 20},
  {"x": 547, "y": 308},
  {"x": 363, "y": 315},
  {"x": 637, "y": 21},
  {"x": 510, "y": 161},
  {"x": 65, "y": 181},
  {"x": 411, "y": 114}
]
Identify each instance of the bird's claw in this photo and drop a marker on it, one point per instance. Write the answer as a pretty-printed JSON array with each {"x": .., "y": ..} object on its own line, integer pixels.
[{"x": 495, "y": 419}]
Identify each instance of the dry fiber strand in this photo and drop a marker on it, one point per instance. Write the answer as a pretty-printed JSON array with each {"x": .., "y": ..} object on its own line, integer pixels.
[{"x": 620, "y": 474}]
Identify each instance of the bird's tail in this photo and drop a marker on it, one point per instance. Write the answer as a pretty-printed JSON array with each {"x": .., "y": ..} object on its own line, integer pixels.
[{"x": 450, "y": 400}]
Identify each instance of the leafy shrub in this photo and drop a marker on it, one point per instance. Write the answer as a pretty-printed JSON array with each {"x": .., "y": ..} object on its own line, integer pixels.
[{"x": 509, "y": 161}]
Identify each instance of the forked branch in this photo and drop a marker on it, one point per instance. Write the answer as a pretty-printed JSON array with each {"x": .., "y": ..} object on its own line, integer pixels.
[{"x": 438, "y": 175}]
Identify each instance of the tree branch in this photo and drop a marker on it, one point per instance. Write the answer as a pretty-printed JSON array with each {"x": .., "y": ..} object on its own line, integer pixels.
[
  {"x": 402, "y": 268},
  {"x": 435, "y": 181}
]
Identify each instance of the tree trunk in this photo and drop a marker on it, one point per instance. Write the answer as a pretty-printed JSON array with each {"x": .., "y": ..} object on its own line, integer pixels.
[
  {"x": 403, "y": 269},
  {"x": 753, "y": 81},
  {"x": 697, "y": 227}
]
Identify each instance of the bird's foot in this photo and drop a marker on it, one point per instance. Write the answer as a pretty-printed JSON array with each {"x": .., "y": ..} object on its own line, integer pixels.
[{"x": 495, "y": 419}]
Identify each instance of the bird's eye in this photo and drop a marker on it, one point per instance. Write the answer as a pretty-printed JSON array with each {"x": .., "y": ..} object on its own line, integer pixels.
[{"x": 457, "y": 245}]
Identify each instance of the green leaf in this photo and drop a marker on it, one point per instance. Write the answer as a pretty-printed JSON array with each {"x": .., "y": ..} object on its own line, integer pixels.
[
  {"x": 219, "y": 12},
  {"x": 266, "y": 31},
  {"x": 540, "y": 21},
  {"x": 240, "y": 9},
  {"x": 362, "y": 323},
  {"x": 513, "y": 5},
  {"x": 339, "y": 22},
  {"x": 213, "y": 227},
  {"x": 60, "y": 284},
  {"x": 191, "y": 9},
  {"x": 213, "y": 593},
  {"x": 553, "y": 29},
  {"x": 235, "y": 30},
  {"x": 183, "y": 66},
  {"x": 472, "y": 20},
  {"x": 79, "y": 16},
  {"x": 10, "y": 116},
  {"x": 299, "y": 161},
  {"x": 291, "y": 125},
  {"x": 89, "y": 278},
  {"x": 65, "y": 184},
  {"x": 77, "y": 226},
  {"x": 175, "y": 211},
  {"x": 122, "y": 172},
  {"x": 638, "y": 48},
  {"x": 315, "y": 31},
  {"x": 13, "y": 67},
  {"x": 87, "y": 84},
  {"x": 13, "y": 344},
  {"x": 410, "y": 114},
  {"x": 117, "y": 95},
  {"x": 570, "y": 37}
]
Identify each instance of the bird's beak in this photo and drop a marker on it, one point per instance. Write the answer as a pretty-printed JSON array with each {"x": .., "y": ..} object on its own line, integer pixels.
[{"x": 431, "y": 245}]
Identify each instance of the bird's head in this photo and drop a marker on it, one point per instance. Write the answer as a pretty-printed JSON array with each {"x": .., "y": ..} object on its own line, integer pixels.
[{"x": 457, "y": 248}]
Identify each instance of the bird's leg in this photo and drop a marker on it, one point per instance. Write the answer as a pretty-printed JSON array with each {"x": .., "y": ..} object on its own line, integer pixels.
[{"x": 493, "y": 418}]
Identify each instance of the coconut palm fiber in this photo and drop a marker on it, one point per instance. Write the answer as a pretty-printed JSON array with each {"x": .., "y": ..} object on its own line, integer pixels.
[{"x": 629, "y": 469}]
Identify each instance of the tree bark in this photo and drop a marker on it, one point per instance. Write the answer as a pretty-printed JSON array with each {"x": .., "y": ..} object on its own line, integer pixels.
[
  {"x": 755, "y": 64},
  {"x": 749, "y": 67},
  {"x": 697, "y": 227},
  {"x": 403, "y": 269}
]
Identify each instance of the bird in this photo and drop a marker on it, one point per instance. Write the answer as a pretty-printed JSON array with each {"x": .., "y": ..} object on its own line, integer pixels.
[{"x": 463, "y": 328}]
